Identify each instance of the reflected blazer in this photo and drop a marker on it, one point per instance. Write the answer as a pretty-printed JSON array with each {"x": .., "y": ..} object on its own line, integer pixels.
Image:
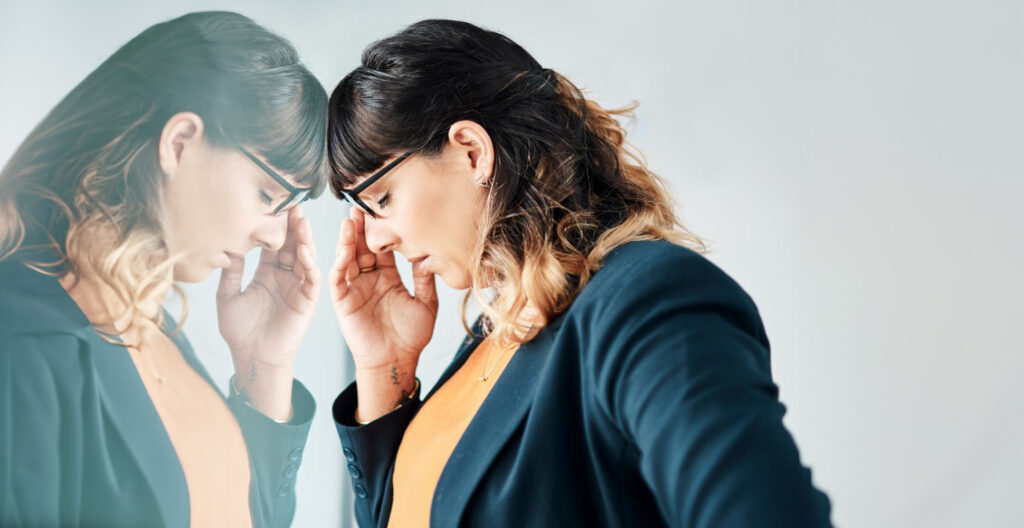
[
  {"x": 649, "y": 402},
  {"x": 81, "y": 443}
]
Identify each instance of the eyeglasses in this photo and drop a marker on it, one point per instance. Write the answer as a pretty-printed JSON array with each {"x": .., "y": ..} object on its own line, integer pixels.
[
  {"x": 352, "y": 196},
  {"x": 296, "y": 195}
]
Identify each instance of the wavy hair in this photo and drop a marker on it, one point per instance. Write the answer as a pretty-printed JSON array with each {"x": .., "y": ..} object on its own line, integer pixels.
[
  {"x": 566, "y": 190},
  {"x": 84, "y": 190}
]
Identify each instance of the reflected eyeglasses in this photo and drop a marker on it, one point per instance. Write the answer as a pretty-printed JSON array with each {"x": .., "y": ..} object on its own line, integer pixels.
[{"x": 296, "y": 195}]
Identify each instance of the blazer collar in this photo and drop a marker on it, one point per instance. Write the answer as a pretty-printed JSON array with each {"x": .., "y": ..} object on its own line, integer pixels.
[
  {"x": 125, "y": 402},
  {"x": 131, "y": 412},
  {"x": 41, "y": 300},
  {"x": 494, "y": 423}
]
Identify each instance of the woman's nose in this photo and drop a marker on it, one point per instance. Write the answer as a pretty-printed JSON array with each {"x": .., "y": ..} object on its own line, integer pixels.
[
  {"x": 271, "y": 235},
  {"x": 378, "y": 237}
]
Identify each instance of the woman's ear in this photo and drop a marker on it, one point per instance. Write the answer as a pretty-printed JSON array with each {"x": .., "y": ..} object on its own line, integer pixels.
[
  {"x": 181, "y": 130},
  {"x": 473, "y": 145}
]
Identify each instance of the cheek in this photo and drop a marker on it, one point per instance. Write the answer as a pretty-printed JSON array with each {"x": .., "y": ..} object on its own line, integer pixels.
[
  {"x": 234, "y": 220},
  {"x": 213, "y": 219}
]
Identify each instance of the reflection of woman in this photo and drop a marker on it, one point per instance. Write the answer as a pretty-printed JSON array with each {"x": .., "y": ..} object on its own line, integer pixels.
[
  {"x": 634, "y": 388},
  {"x": 188, "y": 147}
]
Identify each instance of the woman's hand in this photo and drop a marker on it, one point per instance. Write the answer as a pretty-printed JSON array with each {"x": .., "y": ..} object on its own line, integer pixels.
[
  {"x": 384, "y": 325},
  {"x": 265, "y": 323}
]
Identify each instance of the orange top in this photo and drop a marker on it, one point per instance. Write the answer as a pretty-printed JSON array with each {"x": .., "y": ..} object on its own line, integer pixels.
[
  {"x": 432, "y": 435},
  {"x": 205, "y": 435}
]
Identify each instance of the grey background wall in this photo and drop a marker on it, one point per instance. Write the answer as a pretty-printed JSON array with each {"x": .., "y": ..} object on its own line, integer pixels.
[{"x": 857, "y": 166}]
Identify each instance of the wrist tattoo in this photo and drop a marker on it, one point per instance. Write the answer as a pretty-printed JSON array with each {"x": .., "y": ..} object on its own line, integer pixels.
[
  {"x": 242, "y": 392},
  {"x": 394, "y": 375}
]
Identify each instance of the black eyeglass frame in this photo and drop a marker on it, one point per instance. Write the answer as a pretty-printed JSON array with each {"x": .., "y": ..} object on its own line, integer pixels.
[
  {"x": 352, "y": 195},
  {"x": 293, "y": 192}
]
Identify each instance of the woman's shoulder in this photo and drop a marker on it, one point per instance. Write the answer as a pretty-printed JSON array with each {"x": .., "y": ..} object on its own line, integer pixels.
[
  {"x": 34, "y": 305},
  {"x": 656, "y": 305},
  {"x": 658, "y": 269},
  {"x": 656, "y": 282},
  {"x": 42, "y": 337}
]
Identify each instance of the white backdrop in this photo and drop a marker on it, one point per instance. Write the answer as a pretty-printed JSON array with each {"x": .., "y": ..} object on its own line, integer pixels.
[{"x": 858, "y": 167}]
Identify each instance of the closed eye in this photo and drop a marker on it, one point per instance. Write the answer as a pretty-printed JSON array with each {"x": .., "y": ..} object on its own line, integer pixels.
[
  {"x": 383, "y": 201},
  {"x": 265, "y": 196}
]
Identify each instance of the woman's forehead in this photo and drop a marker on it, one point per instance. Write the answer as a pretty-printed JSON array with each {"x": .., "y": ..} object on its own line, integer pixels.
[
  {"x": 385, "y": 171},
  {"x": 265, "y": 166}
]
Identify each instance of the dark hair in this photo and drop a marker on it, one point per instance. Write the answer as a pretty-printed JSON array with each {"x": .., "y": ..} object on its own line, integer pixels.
[
  {"x": 565, "y": 189},
  {"x": 86, "y": 180}
]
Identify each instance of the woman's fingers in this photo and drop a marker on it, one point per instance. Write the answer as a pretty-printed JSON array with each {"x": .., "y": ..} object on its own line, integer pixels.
[
  {"x": 343, "y": 237},
  {"x": 231, "y": 278},
  {"x": 359, "y": 219},
  {"x": 286, "y": 255},
  {"x": 311, "y": 282},
  {"x": 337, "y": 283},
  {"x": 364, "y": 256},
  {"x": 306, "y": 238},
  {"x": 345, "y": 260},
  {"x": 303, "y": 235},
  {"x": 425, "y": 288},
  {"x": 351, "y": 269}
]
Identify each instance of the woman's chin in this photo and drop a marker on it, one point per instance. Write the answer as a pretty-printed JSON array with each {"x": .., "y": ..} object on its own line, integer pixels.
[
  {"x": 191, "y": 272},
  {"x": 460, "y": 282}
]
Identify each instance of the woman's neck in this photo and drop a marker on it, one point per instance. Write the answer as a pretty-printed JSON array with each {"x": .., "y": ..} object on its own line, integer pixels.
[{"x": 98, "y": 300}]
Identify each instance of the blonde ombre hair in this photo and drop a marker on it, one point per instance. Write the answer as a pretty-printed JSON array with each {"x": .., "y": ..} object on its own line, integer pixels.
[
  {"x": 566, "y": 188},
  {"x": 115, "y": 241},
  {"x": 552, "y": 268},
  {"x": 83, "y": 192}
]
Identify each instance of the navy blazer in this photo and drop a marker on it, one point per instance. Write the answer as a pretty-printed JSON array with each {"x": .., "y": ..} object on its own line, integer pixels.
[
  {"x": 649, "y": 402},
  {"x": 81, "y": 443}
]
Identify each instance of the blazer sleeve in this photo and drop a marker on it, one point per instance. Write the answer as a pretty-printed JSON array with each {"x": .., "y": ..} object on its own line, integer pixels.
[
  {"x": 684, "y": 372},
  {"x": 370, "y": 452},
  {"x": 275, "y": 452},
  {"x": 37, "y": 478}
]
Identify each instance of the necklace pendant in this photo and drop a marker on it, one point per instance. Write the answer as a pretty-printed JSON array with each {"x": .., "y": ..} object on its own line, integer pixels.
[{"x": 482, "y": 378}]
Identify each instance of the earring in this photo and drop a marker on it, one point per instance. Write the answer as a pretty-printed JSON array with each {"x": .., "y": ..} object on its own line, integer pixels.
[{"x": 484, "y": 183}]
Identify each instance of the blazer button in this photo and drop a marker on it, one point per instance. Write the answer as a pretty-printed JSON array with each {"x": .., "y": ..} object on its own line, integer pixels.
[
  {"x": 295, "y": 454},
  {"x": 289, "y": 471},
  {"x": 356, "y": 474},
  {"x": 282, "y": 491},
  {"x": 361, "y": 492},
  {"x": 349, "y": 454}
]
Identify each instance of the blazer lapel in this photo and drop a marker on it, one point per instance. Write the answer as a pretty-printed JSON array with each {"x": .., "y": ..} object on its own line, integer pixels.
[
  {"x": 502, "y": 411},
  {"x": 128, "y": 410},
  {"x": 132, "y": 414},
  {"x": 126, "y": 404}
]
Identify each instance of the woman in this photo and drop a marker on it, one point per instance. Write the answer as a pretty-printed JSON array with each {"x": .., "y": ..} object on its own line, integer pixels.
[
  {"x": 189, "y": 146},
  {"x": 616, "y": 377}
]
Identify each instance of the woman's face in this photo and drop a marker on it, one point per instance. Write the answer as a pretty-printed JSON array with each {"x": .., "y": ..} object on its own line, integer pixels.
[
  {"x": 217, "y": 203},
  {"x": 428, "y": 208}
]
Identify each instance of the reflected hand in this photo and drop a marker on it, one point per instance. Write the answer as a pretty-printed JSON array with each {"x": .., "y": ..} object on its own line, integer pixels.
[{"x": 265, "y": 323}]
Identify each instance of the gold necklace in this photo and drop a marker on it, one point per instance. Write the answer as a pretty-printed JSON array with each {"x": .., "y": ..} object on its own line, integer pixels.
[
  {"x": 148, "y": 356},
  {"x": 150, "y": 360},
  {"x": 487, "y": 375}
]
